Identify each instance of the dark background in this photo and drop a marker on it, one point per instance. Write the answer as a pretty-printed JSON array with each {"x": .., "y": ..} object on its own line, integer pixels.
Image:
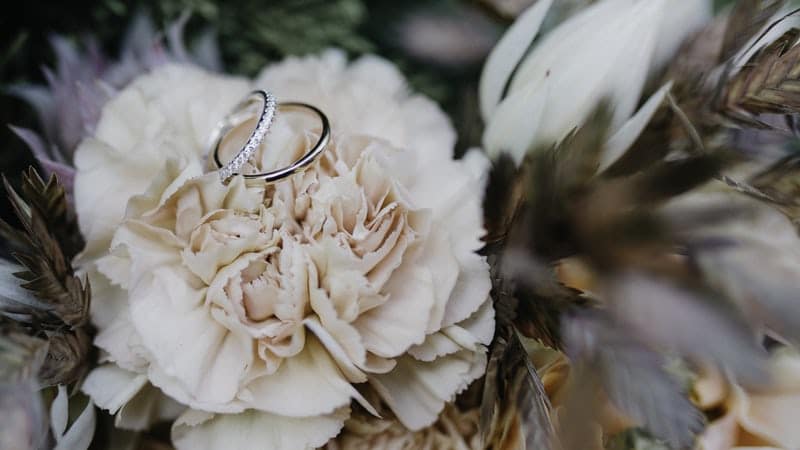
[{"x": 251, "y": 33}]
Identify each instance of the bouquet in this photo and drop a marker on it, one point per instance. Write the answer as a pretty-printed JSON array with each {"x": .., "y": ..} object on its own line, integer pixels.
[{"x": 591, "y": 242}]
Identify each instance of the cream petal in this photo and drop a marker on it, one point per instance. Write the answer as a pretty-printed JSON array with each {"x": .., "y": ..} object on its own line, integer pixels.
[
  {"x": 108, "y": 300},
  {"x": 505, "y": 56},
  {"x": 337, "y": 352},
  {"x": 306, "y": 385},
  {"x": 122, "y": 343},
  {"x": 628, "y": 133},
  {"x": 458, "y": 208},
  {"x": 167, "y": 181},
  {"x": 116, "y": 267},
  {"x": 480, "y": 325},
  {"x": 111, "y": 387},
  {"x": 471, "y": 289},
  {"x": 552, "y": 94},
  {"x": 204, "y": 356},
  {"x": 773, "y": 415},
  {"x": 390, "y": 329},
  {"x": 477, "y": 330},
  {"x": 99, "y": 211},
  {"x": 59, "y": 412},
  {"x": 435, "y": 346},
  {"x": 79, "y": 435},
  {"x": 255, "y": 430},
  {"x": 443, "y": 266},
  {"x": 719, "y": 435},
  {"x": 147, "y": 407},
  {"x": 679, "y": 20},
  {"x": 147, "y": 247},
  {"x": 355, "y": 99},
  {"x": 514, "y": 126},
  {"x": 417, "y": 391}
]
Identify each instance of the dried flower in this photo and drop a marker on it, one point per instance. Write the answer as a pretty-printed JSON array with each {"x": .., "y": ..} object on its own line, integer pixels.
[
  {"x": 763, "y": 419},
  {"x": 85, "y": 79},
  {"x": 454, "y": 430}
]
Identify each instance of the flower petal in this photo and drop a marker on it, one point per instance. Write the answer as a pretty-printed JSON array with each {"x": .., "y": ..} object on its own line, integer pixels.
[
  {"x": 628, "y": 133},
  {"x": 80, "y": 434},
  {"x": 390, "y": 329},
  {"x": 207, "y": 359},
  {"x": 506, "y": 55},
  {"x": 255, "y": 430},
  {"x": 514, "y": 125},
  {"x": 111, "y": 387},
  {"x": 306, "y": 385},
  {"x": 417, "y": 391}
]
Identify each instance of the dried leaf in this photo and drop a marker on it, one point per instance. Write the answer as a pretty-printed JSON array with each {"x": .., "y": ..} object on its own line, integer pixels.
[
  {"x": 781, "y": 183},
  {"x": 44, "y": 214},
  {"x": 502, "y": 199},
  {"x": 66, "y": 355},
  {"x": 21, "y": 356},
  {"x": 514, "y": 396},
  {"x": 760, "y": 278},
  {"x": 50, "y": 200},
  {"x": 691, "y": 322},
  {"x": 746, "y": 19},
  {"x": 768, "y": 83},
  {"x": 633, "y": 377},
  {"x": 539, "y": 298}
]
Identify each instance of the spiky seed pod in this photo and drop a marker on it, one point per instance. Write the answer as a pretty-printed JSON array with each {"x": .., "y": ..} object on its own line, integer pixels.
[
  {"x": 66, "y": 356},
  {"x": 48, "y": 228},
  {"x": 768, "y": 83}
]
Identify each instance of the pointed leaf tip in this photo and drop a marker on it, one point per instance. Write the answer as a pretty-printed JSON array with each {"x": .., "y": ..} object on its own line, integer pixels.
[{"x": 506, "y": 55}]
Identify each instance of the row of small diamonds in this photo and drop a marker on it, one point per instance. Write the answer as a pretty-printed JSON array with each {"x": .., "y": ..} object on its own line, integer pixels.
[{"x": 265, "y": 121}]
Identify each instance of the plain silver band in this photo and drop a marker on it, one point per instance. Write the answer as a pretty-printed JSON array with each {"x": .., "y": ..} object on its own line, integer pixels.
[
  {"x": 297, "y": 166},
  {"x": 240, "y": 114}
]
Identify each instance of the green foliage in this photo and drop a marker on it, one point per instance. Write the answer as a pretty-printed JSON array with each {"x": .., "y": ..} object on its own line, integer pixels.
[{"x": 252, "y": 32}]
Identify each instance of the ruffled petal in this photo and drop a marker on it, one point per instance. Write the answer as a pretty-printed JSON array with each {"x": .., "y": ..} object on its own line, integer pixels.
[
  {"x": 417, "y": 391},
  {"x": 306, "y": 385},
  {"x": 111, "y": 387},
  {"x": 255, "y": 430},
  {"x": 390, "y": 329},
  {"x": 185, "y": 342}
]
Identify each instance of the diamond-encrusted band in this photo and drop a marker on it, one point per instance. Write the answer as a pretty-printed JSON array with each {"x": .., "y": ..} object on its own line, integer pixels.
[
  {"x": 242, "y": 112},
  {"x": 298, "y": 166}
]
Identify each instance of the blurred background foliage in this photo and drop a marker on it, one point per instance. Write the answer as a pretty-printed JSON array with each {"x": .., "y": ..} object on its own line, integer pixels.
[{"x": 439, "y": 44}]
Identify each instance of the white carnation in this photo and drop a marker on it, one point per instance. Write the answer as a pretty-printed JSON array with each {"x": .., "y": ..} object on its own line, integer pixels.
[{"x": 259, "y": 309}]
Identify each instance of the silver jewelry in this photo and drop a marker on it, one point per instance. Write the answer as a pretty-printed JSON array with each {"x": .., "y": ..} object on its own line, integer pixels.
[
  {"x": 297, "y": 166},
  {"x": 242, "y": 112}
]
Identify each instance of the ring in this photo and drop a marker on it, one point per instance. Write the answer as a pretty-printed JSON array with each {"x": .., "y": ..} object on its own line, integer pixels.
[
  {"x": 297, "y": 166},
  {"x": 241, "y": 112}
]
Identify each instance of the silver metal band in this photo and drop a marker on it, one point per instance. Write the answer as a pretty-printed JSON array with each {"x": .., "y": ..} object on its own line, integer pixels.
[
  {"x": 242, "y": 112},
  {"x": 297, "y": 166}
]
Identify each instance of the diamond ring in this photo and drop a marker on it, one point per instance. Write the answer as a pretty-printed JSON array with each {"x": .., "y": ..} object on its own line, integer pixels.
[
  {"x": 241, "y": 113},
  {"x": 233, "y": 167}
]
